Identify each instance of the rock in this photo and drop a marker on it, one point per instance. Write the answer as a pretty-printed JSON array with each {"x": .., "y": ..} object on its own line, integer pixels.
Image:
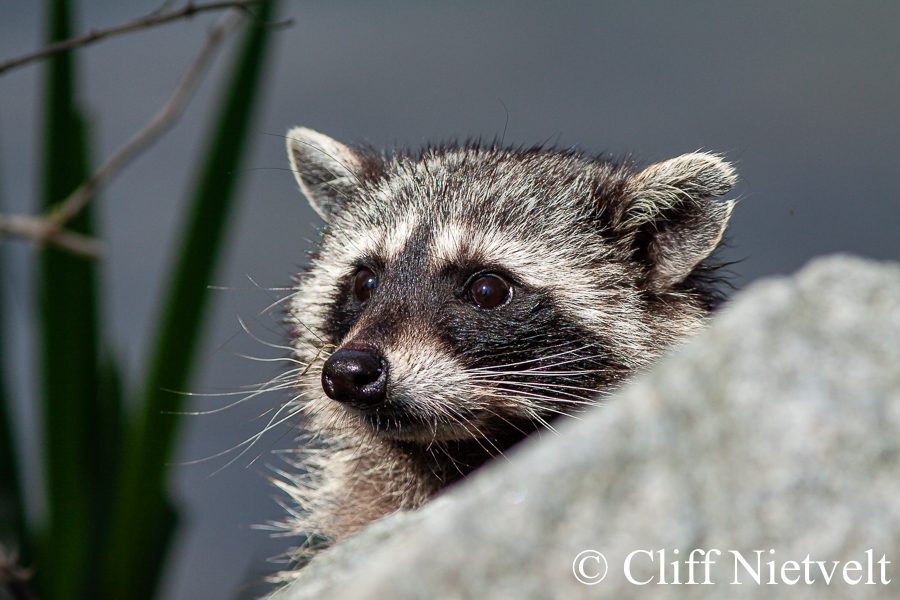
[{"x": 776, "y": 430}]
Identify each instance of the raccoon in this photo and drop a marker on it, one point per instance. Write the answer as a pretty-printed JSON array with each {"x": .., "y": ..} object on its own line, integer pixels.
[{"x": 464, "y": 297}]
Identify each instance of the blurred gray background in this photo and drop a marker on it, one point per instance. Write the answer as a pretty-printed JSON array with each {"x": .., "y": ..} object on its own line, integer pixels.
[{"x": 804, "y": 96}]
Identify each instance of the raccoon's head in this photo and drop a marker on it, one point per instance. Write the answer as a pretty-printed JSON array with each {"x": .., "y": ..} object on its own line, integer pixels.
[{"x": 475, "y": 293}]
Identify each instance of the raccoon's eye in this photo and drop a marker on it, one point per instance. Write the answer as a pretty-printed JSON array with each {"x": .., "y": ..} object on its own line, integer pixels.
[
  {"x": 364, "y": 284},
  {"x": 489, "y": 291}
]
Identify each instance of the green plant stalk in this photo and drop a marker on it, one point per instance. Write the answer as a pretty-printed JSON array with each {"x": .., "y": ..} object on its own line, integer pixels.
[
  {"x": 12, "y": 505},
  {"x": 105, "y": 455},
  {"x": 68, "y": 333},
  {"x": 142, "y": 518}
]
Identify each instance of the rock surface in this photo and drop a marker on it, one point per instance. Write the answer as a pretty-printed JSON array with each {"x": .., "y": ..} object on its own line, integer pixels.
[{"x": 776, "y": 430}]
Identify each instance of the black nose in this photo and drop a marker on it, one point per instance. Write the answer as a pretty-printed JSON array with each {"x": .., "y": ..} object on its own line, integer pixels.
[{"x": 355, "y": 377}]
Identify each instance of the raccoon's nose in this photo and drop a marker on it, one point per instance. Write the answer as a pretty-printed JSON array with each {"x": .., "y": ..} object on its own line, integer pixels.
[{"x": 355, "y": 377}]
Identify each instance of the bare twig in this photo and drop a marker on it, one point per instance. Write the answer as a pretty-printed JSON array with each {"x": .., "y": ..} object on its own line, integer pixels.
[
  {"x": 35, "y": 228},
  {"x": 160, "y": 122},
  {"x": 158, "y": 17},
  {"x": 49, "y": 229}
]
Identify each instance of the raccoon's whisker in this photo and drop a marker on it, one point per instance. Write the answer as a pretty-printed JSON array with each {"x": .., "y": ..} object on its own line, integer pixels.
[
  {"x": 293, "y": 401},
  {"x": 288, "y": 308},
  {"x": 566, "y": 398},
  {"x": 540, "y": 336},
  {"x": 519, "y": 395},
  {"x": 275, "y": 301},
  {"x": 525, "y": 362},
  {"x": 294, "y": 374},
  {"x": 256, "y": 319},
  {"x": 273, "y": 423},
  {"x": 247, "y": 444},
  {"x": 563, "y": 413},
  {"x": 543, "y": 367},
  {"x": 547, "y": 385},
  {"x": 450, "y": 412},
  {"x": 533, "y": 409},
  {"x": 299, "y": 416},
  {"x": 261, "y": 341},
  {"x": 211, "y": 457},
  {"x": 230, "y": 406},
  {"x": 478, "y": 438},
  {"x": 434, "y": 430},
  {"x": 543, "y": 402},
  {"x": 278, "y": 301},
  {"x": 239, "y": 392},
  {"x": 563, "y": 386},
  {"x": 487, "y": 393},
  {"x": 443, "y": 453},
  {"x": 547, "y": 369},
  {"x": 284, "y": 330},
  {"x": 557, "y": 375},
  {"x": 306, "y": 327},
  {"x": 572, "y": 361},
  {"x": 276, "y": 359},
  {"x": 524, "y": 397},
  {"x": 298, "y": 321},
  {"x": 596, "y": 394},
  {"x": 543, "y": 363},
  {"x": 537, "y": 418},
  {"x": 282, "y": 382}
]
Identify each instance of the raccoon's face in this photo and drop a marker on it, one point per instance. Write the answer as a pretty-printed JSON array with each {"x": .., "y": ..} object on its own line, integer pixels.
[{"x": 476, "y": 293}]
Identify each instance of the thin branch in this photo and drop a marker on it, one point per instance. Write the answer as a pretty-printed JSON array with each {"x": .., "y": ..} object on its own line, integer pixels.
[
  {"x": 49, "y": 229},
  {"x": 159, "y": 17},
  {"x": 36, "y": 229},
  {"x": 160, "y": 122}
]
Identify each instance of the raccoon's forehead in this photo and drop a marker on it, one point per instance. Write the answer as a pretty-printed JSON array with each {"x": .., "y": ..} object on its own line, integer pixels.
[
  {"x": 478, "y": 186},
  {"x": 474, "y": 205}
]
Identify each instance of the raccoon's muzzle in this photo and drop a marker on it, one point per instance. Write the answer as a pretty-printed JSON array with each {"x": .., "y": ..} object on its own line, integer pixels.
[{"x": 356, "y": 378}]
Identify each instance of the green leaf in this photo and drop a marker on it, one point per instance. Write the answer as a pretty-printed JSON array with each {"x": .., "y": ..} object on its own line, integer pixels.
[
  {"x": 142, "y": 519},
  {"x": 68, "y": 339},
  {"x": 105, "y": 455}
]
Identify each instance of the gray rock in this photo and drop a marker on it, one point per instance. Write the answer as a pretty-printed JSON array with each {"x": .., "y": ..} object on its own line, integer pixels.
[{"x": 777, "y": 430}]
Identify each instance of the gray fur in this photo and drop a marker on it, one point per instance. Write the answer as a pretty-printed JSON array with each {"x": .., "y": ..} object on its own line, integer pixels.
[{"x": 604, "y": 264}]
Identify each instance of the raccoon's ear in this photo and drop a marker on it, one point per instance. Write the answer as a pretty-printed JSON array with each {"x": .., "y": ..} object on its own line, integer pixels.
[
  {"x": 674, "y": 215},
  {"x": 328, "y": 172}
]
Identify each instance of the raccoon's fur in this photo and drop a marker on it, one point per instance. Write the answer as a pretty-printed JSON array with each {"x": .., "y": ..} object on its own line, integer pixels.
[{"x": 466, "y": 296}]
